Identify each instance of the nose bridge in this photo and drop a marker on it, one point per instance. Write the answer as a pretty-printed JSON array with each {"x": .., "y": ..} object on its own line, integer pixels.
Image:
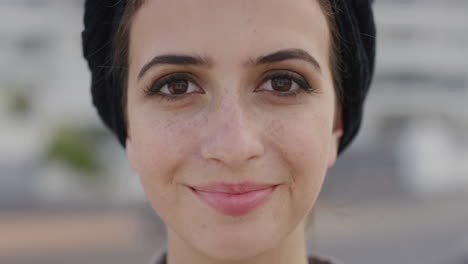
[
  {"x": 231, "y": 137},
  {"x": 231, "y": 114}
]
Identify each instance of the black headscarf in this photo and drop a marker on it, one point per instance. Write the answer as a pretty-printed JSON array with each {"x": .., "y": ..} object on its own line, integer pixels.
[{"x": 354, "y": 19}]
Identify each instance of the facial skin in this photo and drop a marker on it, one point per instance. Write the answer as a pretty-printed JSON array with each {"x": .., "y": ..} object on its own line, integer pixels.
[{"x": 232, "y": 125}]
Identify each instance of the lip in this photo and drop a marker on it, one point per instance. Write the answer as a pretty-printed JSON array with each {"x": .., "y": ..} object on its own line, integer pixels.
[
  {"x": 234, "y": 199},
  {"x": 233, "y": 188}
]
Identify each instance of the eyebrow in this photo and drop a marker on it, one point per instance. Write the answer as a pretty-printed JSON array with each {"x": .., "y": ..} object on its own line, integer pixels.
[
  {"x": 287, "y": 54},
  {"x": 278, "y": 56},
  {"x": 174, "y": 59}
]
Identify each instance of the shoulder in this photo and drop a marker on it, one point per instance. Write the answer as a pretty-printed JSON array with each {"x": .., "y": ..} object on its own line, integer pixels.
[
  {"x": 322, "y": 260},
  {"x": 161, "y": 259}
]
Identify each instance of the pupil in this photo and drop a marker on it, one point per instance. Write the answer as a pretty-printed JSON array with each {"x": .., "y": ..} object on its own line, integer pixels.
[
  {"x": 281, "y": 84},
  {"x": 178, "y": 87}
]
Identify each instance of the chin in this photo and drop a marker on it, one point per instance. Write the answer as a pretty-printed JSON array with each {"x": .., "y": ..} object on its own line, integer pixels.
[
  {"x": 235, "y": 251},
  {"x": 242, "y": 240}
]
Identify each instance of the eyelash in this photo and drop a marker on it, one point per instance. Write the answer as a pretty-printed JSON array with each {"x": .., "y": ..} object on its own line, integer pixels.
[
  {"x": 296, "y": 78},
  {"x": 155, "y": 88}
]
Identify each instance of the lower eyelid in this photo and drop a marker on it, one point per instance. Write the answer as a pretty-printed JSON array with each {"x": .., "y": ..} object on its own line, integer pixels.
[{"x": 176, "y": 99}]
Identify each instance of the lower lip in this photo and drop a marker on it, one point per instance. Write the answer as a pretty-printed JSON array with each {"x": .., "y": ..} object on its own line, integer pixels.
[{"x": 235, "y": 204}]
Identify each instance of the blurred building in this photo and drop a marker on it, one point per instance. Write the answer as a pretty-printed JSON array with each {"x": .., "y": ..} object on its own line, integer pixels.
[
  {"x": 419, "y": 109},
  {"x": 44, "y": 87},
  {"x": 414, "y": 139}
]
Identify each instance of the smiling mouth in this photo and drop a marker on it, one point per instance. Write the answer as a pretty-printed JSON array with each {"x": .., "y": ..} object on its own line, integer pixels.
[{"x": 235, "y": 203}]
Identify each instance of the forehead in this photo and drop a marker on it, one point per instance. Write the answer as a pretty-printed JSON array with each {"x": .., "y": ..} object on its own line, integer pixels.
[{"x": 228, "y": 30}]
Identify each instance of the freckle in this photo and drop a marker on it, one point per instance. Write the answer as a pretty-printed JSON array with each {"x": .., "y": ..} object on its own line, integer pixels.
[
  {"x": 169, "y": 123},
  {"x": 203, "y": 226},
  {"x": 277, "y": 128}
]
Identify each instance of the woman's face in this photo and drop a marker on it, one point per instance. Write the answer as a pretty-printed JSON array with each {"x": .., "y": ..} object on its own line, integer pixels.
[{"x": 231, "y": 92}]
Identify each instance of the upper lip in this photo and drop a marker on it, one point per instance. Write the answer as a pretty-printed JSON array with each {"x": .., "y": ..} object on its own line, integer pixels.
[{"x": 234, "y": 188}]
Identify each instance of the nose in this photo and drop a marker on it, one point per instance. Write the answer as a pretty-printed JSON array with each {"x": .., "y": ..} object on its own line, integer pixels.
[{"x": 232, "y": 139}]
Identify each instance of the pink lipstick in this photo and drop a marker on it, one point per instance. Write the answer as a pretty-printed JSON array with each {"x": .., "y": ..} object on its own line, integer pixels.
[{"x": 234, "y": 199}]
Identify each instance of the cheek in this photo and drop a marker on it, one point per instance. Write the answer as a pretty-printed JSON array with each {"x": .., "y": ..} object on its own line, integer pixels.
[
  {"x": 303, "y": 139},
  {"x": 156, "y": 151},
  {"x": 303, "y": 143}
]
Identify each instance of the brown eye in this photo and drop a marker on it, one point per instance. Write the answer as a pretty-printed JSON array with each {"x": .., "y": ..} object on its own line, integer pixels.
[
  {"x": 174, "y": 85},
  {"x": 284, "y": 83},
  {"x": 281, "y": 84},
  {"x": 178, "y": 87}
]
